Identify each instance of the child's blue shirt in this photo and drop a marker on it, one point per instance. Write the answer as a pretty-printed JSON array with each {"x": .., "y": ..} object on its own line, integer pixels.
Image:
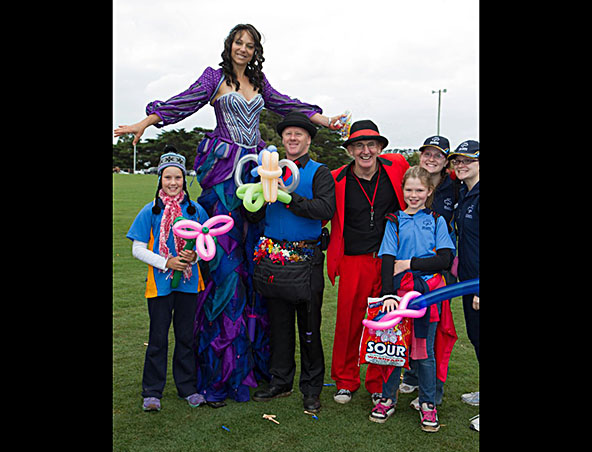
[{"x": 419, "y": 236}]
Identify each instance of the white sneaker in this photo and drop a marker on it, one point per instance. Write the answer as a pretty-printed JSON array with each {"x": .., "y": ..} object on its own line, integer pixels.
[
  {"x": 472, "y": 398},
  {"x": 342, "y": 396},
  {"x": 415, "y": 403},
  {"x": 407, "y": 389},
  {"x": 474, "y": 423}
]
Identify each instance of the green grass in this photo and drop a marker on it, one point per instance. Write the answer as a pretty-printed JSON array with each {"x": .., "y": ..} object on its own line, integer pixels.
[{"x": 177, "y": 427}]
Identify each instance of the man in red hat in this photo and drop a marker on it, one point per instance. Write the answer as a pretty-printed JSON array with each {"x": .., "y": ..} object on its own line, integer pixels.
[{"x": 365, "y": 191}]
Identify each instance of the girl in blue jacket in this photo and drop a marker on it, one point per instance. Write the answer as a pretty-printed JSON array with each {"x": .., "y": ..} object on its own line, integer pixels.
[
  {"x": 465, "y": 160},
  {"x": 155, "y": 244}
]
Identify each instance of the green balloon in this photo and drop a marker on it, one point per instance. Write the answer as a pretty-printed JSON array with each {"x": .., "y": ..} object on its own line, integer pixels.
[
  {"x": 189, "y": 245},
  {"x": 252, "y": 196},
  {"x": 253, "y": 200},
  {"x": 284, "y": 197}
]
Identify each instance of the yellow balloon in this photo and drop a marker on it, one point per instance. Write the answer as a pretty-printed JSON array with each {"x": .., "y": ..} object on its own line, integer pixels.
[{"x": 269, "y": 172}]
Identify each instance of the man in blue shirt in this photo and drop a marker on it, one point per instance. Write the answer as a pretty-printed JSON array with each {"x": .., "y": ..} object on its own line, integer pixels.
[{"x": 293, "y": 225}]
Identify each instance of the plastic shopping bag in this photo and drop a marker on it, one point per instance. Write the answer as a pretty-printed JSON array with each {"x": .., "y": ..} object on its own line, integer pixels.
[{"x": 385, "y": 347}]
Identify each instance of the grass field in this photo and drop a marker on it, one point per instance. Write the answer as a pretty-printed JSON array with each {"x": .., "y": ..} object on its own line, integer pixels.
[{"x": 177, "y": 427}]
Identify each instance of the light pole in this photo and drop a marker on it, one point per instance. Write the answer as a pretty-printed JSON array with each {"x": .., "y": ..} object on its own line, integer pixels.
[
  {"x": 134, "y": 159},
  {"x": 440, "y": 91}
]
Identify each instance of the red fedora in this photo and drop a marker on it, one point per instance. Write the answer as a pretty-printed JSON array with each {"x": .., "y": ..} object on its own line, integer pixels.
[{"x": 364, "y": 130}]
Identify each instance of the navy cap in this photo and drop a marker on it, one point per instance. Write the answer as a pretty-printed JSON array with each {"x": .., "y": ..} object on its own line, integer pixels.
[
  {"x": 468, "y": 148},
  {"x": 438, "y": 142}
]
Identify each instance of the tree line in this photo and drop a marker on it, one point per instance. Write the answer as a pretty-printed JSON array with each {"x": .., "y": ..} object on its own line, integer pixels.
[{"x": 325, "y": 147}]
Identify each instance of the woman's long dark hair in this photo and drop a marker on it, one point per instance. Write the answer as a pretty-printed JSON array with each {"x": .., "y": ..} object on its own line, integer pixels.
[{"x": 254, "y": 68}]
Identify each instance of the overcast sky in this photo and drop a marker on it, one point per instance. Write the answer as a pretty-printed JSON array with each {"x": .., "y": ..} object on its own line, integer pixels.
[{"x": 380, "y": 59}]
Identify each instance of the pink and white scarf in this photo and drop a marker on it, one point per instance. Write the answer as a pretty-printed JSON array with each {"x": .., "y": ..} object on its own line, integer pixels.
[{"x": 172, "y": 210}]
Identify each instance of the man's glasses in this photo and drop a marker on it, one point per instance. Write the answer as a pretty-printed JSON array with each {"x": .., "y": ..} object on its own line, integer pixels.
[{"x": 372, "y": 145}]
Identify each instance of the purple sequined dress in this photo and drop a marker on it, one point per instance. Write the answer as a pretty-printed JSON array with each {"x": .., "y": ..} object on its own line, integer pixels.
[{"x": 229, "y": 362}]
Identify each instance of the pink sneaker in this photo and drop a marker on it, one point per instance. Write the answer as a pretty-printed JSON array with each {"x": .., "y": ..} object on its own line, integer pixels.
[{"x": 382, "y": 411}]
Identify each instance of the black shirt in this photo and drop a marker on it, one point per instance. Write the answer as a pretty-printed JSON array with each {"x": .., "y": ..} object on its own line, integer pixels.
[{"x": 359, "y": 237}]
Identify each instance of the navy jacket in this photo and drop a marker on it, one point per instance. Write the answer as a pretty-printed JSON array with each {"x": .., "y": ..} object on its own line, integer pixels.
[{"x": 467, "y": 226}]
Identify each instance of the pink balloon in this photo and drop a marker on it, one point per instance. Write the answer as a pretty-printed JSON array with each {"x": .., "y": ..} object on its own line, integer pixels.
[
  {"x": 227, "y": 221},
  {"x": 390, "y": 319},
  {"x": 204, "y": 245}
]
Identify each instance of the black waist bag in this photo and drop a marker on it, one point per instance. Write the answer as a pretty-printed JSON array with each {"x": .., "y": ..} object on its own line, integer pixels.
[{"x": 289, "y": 282}]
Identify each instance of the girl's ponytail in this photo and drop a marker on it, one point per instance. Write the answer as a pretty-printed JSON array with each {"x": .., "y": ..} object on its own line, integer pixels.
[
  {"x": 156, "y": 208},
  {"x": 191, "y": 210}
]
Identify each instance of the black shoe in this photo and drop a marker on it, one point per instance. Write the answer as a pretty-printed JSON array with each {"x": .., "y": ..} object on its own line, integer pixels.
[
  {"x": 219, "y": 404},
  {"x": 312, "y": 403},
  {"x": 272, "y": 392}
]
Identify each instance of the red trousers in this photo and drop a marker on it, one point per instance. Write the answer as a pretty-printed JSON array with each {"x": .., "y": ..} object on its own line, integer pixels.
[{"x": 359, "y": 278}]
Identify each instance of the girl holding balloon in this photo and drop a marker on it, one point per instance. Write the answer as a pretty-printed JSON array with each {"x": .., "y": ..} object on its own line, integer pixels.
[
  {"x": 155, "y": 244},
  {"x": 416, "y": 246}
]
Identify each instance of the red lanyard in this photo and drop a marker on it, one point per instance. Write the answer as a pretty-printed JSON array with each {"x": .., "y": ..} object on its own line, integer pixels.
[{"x": 368, "y": 197}]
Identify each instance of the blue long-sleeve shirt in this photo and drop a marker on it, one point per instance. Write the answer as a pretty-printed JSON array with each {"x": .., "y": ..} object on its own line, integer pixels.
[{"x": 467, "y": 226}]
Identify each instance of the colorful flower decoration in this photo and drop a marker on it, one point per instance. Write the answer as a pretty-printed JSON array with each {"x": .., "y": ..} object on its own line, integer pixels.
[{"x": 282, "y": 252}]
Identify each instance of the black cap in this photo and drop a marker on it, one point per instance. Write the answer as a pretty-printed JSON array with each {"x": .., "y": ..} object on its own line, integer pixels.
[
  {"x": 295, "y": 119},
  {"x": 364, "y": 130}
]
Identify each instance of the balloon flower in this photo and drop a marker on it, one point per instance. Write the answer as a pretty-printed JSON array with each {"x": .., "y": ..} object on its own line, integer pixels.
[
  {"x": 202, "y": 236},
  {"x": 420, "y": 303},
  {"x": 270, "y": 170}
]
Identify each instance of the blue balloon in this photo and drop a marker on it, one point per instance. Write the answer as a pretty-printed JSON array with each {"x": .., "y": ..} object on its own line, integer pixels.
[
  {"x": 445, "y": 293},
  {"x": 270, "y": 148}
]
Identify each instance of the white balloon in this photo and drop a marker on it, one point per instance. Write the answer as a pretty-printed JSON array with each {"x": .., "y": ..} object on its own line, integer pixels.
[
  {"x": 239, "y": 168},
  {"x": 295, "y": 174}
]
